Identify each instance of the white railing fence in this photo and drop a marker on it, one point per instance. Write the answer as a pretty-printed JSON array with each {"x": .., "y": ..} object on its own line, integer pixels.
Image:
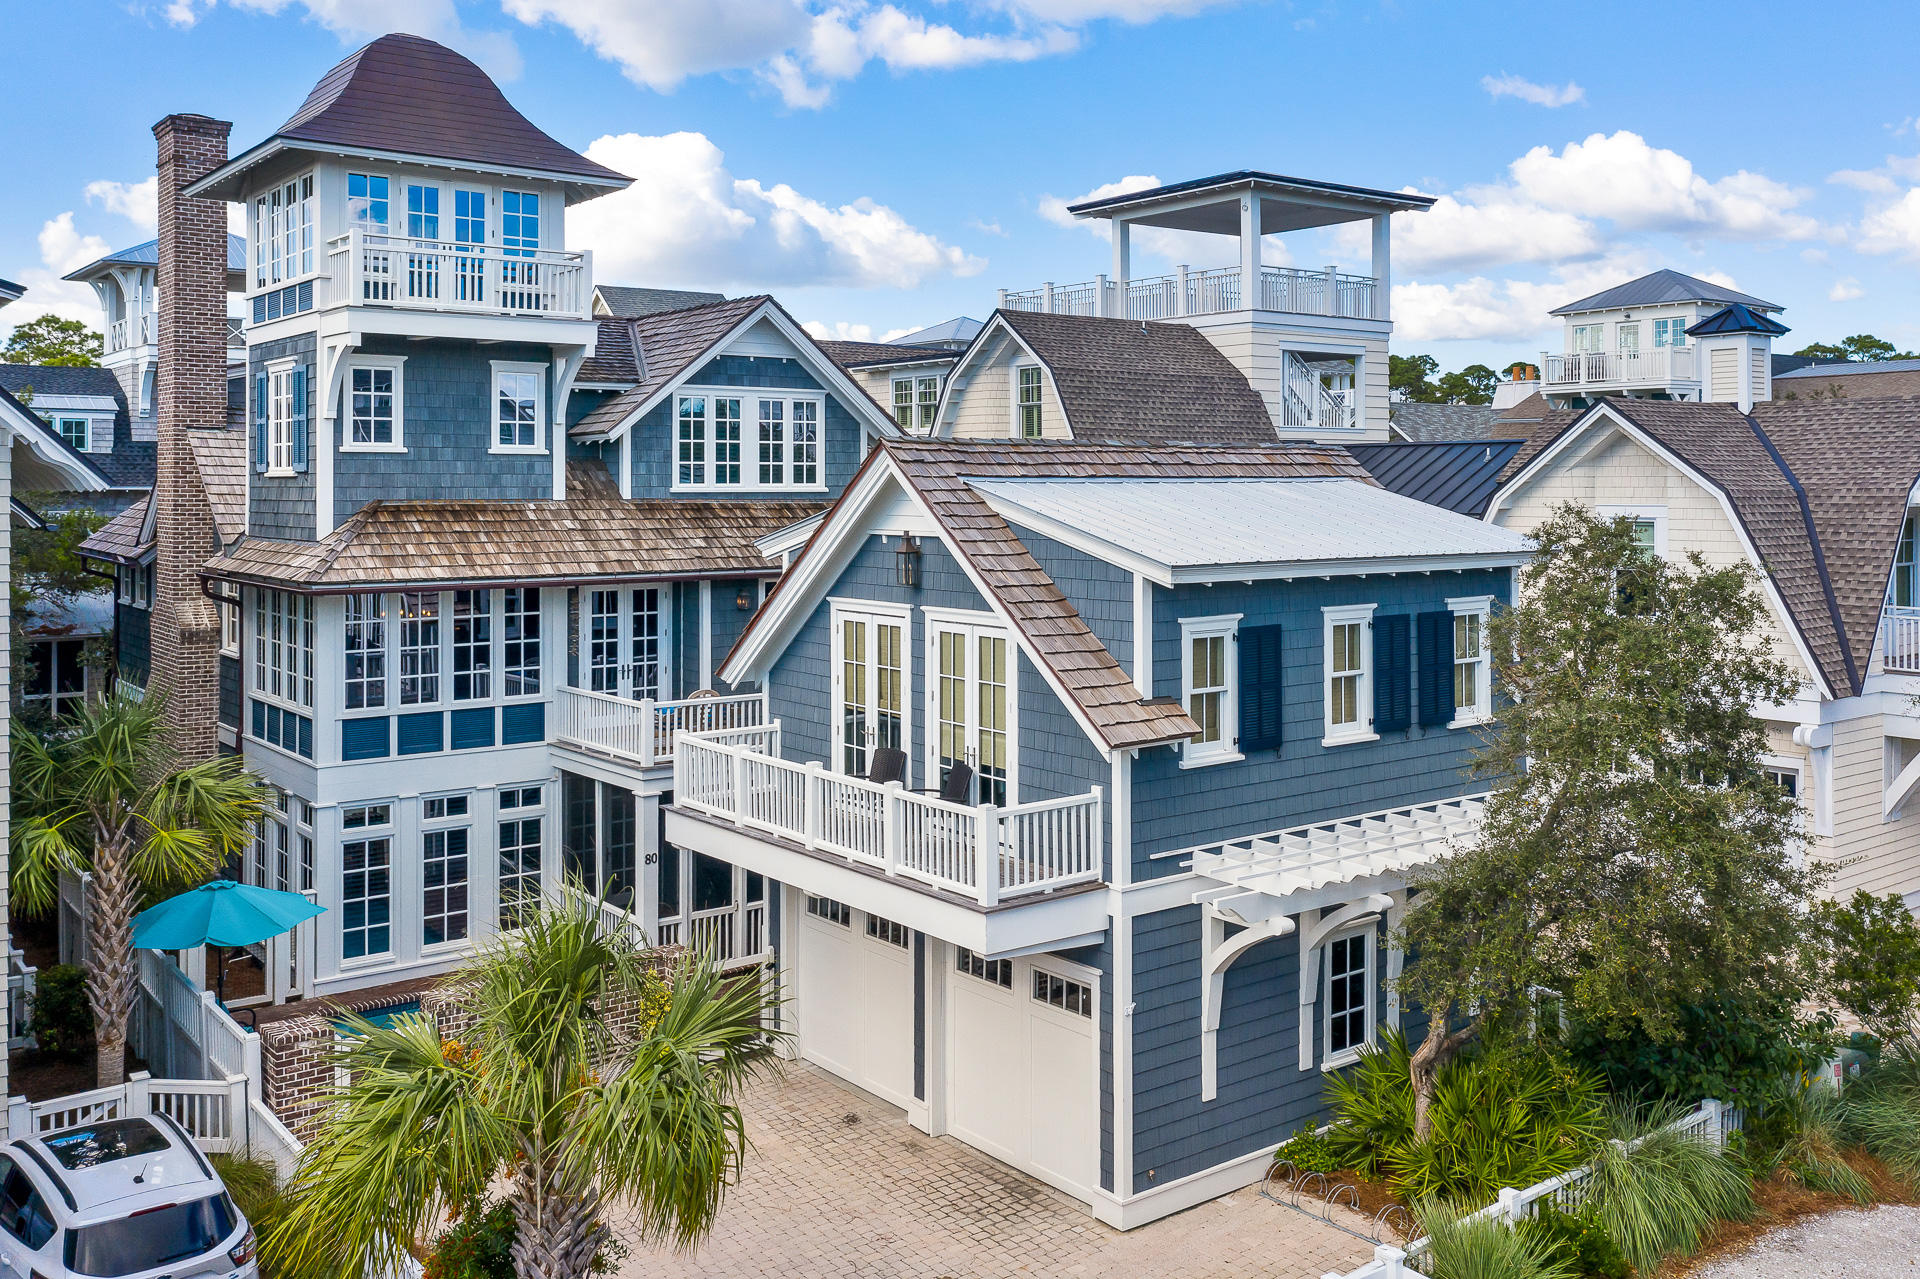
[
  {"x": 1620, "y": 368},
  {"x": 1900, "y": 638},
  {"x": 986, "y": 852},
  {"x": 21, "y": 977},
  {"x": 183, "y": 1032},
  {"x": 1388, "y": 1262},
  {"x": 1206, "y": 292},
  {"x": 371, "y": 268},
  {"x": 76, "y": 893},
  {"x": 643, "y": 731}
]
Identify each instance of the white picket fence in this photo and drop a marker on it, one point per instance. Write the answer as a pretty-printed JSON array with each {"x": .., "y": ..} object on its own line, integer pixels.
[{"x": 182, "y": 1032}]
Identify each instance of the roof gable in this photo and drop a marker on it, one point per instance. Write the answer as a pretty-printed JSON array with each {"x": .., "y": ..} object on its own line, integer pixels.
[{"x": 1658, "y": 288}]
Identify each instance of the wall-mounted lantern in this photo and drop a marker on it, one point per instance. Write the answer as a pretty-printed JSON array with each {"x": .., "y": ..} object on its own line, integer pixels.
[{"x": 906, "y": 559}]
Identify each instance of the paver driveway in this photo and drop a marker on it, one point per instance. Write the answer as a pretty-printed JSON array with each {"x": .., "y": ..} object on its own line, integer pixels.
[{"x": 838, "y": 1184}]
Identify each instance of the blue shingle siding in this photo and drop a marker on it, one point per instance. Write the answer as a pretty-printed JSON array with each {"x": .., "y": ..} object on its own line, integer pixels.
[
  {"x": 133, "y": 637},
  {"x": 1303, "y": 781},
  {"x": 280, "y": 507},
  {"x": 446, "y": 401},
  {"x": 1262, "y": 1096},
  {"x": 729, "y": 620},
  {"x": 1100, "y": 592},
  {"x": 843, "y": 446},
  {"x": 686, "y": 636}
]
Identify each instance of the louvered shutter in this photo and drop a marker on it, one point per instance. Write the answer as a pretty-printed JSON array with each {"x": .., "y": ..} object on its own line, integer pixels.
[
  {"x": 1436, "y": 669},
  {"x": 260, "y": 421},
  {"x": 1392, "y": 673},
  {"x": 1262, "y": 689},
  {"x": 299, "y": 425}
]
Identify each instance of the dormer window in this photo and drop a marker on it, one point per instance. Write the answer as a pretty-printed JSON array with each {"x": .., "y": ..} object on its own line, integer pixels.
[
  {"x": 75, "y": 431},
  {"x": 1906, "y": 575},
  {"x": 1027, "y": 401}
]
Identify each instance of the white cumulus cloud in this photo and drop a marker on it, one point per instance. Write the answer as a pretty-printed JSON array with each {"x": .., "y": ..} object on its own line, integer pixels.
[
  {"x": 691, "y": 222},
  {"x": 844, "y": 331},
  {"x": 1540, "y": 95},
  {"x": 137, "y": 202},
  {"x": 1845, "y": 290},
  {"x": 1503, "y": 310},
  {"x": 1482, "y": 227},
  {"x": 358, "y": 20}
]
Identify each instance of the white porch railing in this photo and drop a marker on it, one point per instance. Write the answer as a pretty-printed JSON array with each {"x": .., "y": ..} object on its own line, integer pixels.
[
  {"x": 129, "y": 330},
  {"x": 1210, "y": 292},
  {"x": 987, "y": 852},
  {"x": 1900, "y": 638},
  {"x": 731, "y": 936},
  {"x": 213, "y": 1111},
  {"x": 1662, "y": 366},
  {"x": 367, "y": 268},
  {"x": 182, "y": 1031},
  {"x": 20, "y": 987},
  {"x": 643, "y": 732}
]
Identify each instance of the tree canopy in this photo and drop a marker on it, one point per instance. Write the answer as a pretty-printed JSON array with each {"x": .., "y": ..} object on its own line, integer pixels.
[
  {"x": 1862, "y": 347},
  {"x": 48, "y": 339},
  {"x": 1413, "y": 377},
  {"x": 1634, "y": 856}
]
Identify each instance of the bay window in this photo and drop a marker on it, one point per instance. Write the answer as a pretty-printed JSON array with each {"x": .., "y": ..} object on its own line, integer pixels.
[
  {"x": 283, "y": 232},
  {"x": 708, "y": 430},
  {"x": 283, "y": 646}
]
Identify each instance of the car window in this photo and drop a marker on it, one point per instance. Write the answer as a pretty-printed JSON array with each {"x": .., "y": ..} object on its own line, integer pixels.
[
  {"x": 151, "y": 1238},
  {"x": 23, "y": 1213}
]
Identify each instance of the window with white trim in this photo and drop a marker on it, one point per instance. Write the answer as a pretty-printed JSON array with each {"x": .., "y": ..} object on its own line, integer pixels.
[
  {"x": 283, "y": 232},
  {"x": 834, "y": 912},
  {"x": 365, "y": 634},
  {"x": 1670, "y": 332},
  {"x": 1472, "y": 662},
  {"x": 916, "y": 399},
  {"x": 520, "y": 842},
  {"x": 374, "y": 416},
  {"x": 76, "y": 431},
  {"x": 1209, "y": 667},
  {"x": 229, "y": 629},
  {"x": 1649, "y": 525},
  {"x": 1588, "y": 338},
  {"x": 997, "y": 972},
  {"x": 520, "y": 647},
  {"x": 773, "y": 443},
  {"x": 445, "y": 871},
  {"x": 1064, "y": 993},
  {"x": 283, "y": 646},
  {"x": 367, "y": 200},
  {"x": 280, "y": 418},
  {"x": 519, "y": 412},
  {"x": 366, "y": 882},
  {"x": 419, "y": 617},
  {"x": 709, "y": 432},
  {"x": 1348, "y": 995},
  {"x": 1626, "y": 340},
  {"x": 1348, "y": 678},
  {"x": 472, "y": 646},
  {"x": 888, "y": 931},
  {"x": 803, "y": 444},
  {"x": 1028, "y": 392},
  {"x": 300, "y": 812}
]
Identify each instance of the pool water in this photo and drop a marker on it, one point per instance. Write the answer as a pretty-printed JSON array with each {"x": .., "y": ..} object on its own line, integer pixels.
[{"x": 383, "y": 1017}]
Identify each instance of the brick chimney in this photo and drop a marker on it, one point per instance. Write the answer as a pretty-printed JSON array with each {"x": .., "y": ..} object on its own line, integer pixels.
[{"x": 191, "y": 390}]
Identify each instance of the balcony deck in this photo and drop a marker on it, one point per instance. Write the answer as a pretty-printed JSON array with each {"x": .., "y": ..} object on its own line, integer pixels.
[
  {"x": 641, "y": 733},
  {"x": 1900, "y": 639},
  {"x": 1212, "y": 292},
  {"x": 1580, "y": 372}
]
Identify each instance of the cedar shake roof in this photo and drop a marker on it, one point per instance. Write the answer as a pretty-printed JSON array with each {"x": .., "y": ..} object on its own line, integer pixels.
[
  {"x": 612, "y": 359},
  {"x": 938, "y": 472},
  {"x": 661, "y": 346},
  {"x": 860, "y": 355},
  {"x": 594, "y": 534},
  {"x": 119, "y": 538},
  {"x": 221, "y": 457},
  {"x": 410, "y": 95},
  {"x": 1141, "y": 382}
]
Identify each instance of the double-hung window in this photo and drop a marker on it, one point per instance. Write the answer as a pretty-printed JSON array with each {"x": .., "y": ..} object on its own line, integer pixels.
[
  {"x": 522, "y": 810},
  {"x": 1349, "y": 996},
  {"x": 1028, "y": 390},
  {"x": 366, "y": 881},
  {"x": 1670, "y": 332},
  {"x": 1647, "y": 523},
  {"x": 1348, "y": 675},
  {"x": 229, "y": 629},
  {"x": 520, "y": 636},
  {"x": 708, "y": 437},
  {"x": 365, "y": 670},
  {"x": 419, "y": 616},
  {"x": 519, "y": 415},
  {"x": 1209, "y": 669},
  {"x": 280, "y": 408},
  {"x": 374, "y": 419},
  {"x": 1472, "y": 664},
  {"x": 916, "y": 399}
]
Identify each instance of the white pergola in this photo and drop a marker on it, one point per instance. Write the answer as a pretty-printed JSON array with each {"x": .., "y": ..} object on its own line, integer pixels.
[{"x": 1357, "y": 864}]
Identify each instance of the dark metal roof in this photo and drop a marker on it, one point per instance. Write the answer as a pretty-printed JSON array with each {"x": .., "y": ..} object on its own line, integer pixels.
[
  {"x": 961, "y": 329},
  {"x": 1736, "y": 317},
  {"x": 1662, "y": 287},
  {"x": 148, "y": 254},
  {"x": 1240, "y": 177},
  {"x": 407, "y": 95},
  {"x": 626, "y": 302},
  {"x": 1458, "y": 475},
  {"x": 10, "y": 290},
  {"x": 869, "y": 355}
]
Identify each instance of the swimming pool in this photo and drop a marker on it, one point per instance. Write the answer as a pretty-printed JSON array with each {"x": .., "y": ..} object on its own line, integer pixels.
[{"x": 382, "y": 1017}]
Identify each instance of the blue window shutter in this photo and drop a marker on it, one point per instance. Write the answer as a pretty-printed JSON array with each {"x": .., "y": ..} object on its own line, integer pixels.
[
  {"x": 1392, "y": 673},
  {"x": 1262, "y": 689},
  {"x": 260, "y": 421},
  {"x": 1436, "y": 669},
  {"x": 299, "y": 378}
]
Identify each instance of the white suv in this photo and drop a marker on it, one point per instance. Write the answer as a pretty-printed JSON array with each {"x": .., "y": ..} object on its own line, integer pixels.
[{"x": 127, "y": 1198}]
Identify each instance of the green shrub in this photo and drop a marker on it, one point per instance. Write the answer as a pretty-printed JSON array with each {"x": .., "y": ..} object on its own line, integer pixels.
[
  {"x": 1798, "y": 1133},
  {"x": 1728, "y": 1049},
  {"x": 1872, "y": 946},
  {"x": 61, "y": 1019},
  {"x": 1309, "y": 1151},
  {"x": 255, "y": 1187},
  {"x": 1657, "y": 1191},
  {"x": 1881, "y": 1109},
  {"x": 1501, "y": 1117},
  {"x": 1580, "y": 1240},
  {"x": 478, "y": 1245},
  {"x": 1484, "y": 1248}
]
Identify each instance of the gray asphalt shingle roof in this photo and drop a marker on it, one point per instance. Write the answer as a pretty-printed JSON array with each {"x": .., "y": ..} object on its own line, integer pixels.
[
  {"x": 627, "y": 301},
  {"x": 1412, "y": 420},
  {"x": 1658, "y": 287},
  {"x": 132, "y": 462},
  {"x": 662, "y": 345}
]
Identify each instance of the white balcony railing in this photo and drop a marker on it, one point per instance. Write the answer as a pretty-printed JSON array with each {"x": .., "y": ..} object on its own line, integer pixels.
[
  {"x": 367, "y": 268},
  {"x": 1900, "y": 638},
  {"x": 1211, "y": 292},
  {"x": 642, "y": 732},
  {"x": 1662, "y": 366},
  {"x": 985, "y": 852},
  {"x": 731, "y": 936},
  {"x": 129, "y": 330}
]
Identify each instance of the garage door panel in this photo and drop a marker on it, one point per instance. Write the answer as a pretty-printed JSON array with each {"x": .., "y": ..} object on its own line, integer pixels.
[
  {"x": 885, "y": 1014},
  {"x": 1061, "y": 1111},
  {"x": 829, "y": 1032},
  {"x": 855, "y": 1013},
  {"x": 987, "y": 1108}
]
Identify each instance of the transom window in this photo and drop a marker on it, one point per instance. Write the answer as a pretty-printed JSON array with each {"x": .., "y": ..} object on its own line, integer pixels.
[
  {"x": 832, "y": 911},
  {"x": 1028, "y": 392},
  {"x": 998, "y": 972},
  {"x": 1349, "y": 673},
  {"x": 373, "y": 404},
  {"x": 708, "y": 441},
  {"x": 1349, "y": 993},
  {"x": 889, "y": 932},
  {"x": 1064, "y": 993},
  {"x": 1209, "y": 670},
  {"x": 1472, "y": 664},
  {"x": 519, "y": 415},
  {"x": 441, "y": 807}
]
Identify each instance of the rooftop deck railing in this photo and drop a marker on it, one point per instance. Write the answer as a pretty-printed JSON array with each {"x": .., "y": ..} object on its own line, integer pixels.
[
  {"x": 1661, "y": 366},
  {"x": 1188, "y": 292}
]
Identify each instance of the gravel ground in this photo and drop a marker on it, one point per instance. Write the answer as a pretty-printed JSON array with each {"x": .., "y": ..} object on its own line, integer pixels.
[{"x": 1880, "y": 1242}]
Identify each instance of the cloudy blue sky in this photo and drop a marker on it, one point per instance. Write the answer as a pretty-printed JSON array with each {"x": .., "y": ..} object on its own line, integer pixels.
[{"x": 883, "y": 164}]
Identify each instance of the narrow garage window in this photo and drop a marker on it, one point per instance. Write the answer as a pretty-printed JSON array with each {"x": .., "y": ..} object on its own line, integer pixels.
[
  {"x": 887, "y": 931},
  {"x": 997, "y": 971},
  {"x": 1059, "y": 992},
  {"x": 830, "y": 910}
]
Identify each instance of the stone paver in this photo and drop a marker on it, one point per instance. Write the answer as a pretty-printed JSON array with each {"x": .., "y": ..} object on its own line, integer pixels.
[{"x": 839, "y": 1184}]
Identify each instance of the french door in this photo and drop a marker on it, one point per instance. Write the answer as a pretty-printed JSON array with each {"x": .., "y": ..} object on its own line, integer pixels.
[
  {"x": 869, "y": 686},
  {"x": 628, "y": 643},
  {"x": 970, "y": 694}
]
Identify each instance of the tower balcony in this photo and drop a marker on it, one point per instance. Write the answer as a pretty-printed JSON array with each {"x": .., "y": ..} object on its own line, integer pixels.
[{"x": 1217, "y": 291}]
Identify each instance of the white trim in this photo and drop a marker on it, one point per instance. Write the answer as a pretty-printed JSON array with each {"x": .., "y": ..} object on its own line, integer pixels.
[
  {"x": 1225, "y": 627},
  {"x": 541, "y": 423},
  {"x": 275, "y": 370},
  {"x": 1016, "y": 426},
  {"x": 974, "y": 626},
  {"x": 1482, "y": 709},
  {"x": 706, "y": 633},
  {"x": 1142, "y": 639},
  {"x": 397, "y": 365},
  {"x": 1129, "y": 1212},
  {"x": 1655, "y": 515},
  {"x": 749, "y": 441},
  {"x": 1361, "y": 730},
  {"x": 839, "y": 610}
]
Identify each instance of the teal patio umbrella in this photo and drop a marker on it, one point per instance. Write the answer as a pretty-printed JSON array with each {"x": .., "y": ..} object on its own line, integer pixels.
[{"x": 221, "y": 913}]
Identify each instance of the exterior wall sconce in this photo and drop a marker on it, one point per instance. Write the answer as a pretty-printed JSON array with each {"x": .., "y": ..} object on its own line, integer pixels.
[
  {"x": 906, "y": 559},
  {"x": 743, "y": 599}
]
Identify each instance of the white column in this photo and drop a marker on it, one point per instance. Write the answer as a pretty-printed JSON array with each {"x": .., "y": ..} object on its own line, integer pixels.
[
  {"x": 1382, "y": 268},
  {"x": 1250, "y": 250},
  {"x": 706, "y": 632},
  {"x": 1122, "y": 264}
]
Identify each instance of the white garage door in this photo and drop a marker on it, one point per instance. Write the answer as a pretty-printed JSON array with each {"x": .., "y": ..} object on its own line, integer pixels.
[
  {"x": 1022, "y": 1080},
  {"x": 854, "y": 1010}
]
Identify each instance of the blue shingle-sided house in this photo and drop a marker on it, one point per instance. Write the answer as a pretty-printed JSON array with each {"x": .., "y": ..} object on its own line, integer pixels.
[
  {"x": 1090, "y": 781},
  {"x": 490, "y": 534}
]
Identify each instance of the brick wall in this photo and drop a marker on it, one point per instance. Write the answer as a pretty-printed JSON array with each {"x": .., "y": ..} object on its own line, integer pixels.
[{"x": 191, "y": 390}]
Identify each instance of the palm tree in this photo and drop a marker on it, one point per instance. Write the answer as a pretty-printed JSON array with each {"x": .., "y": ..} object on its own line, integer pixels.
[
  {"x": 101, "y": 792},
  {"x": 550, "y": 1092}
]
